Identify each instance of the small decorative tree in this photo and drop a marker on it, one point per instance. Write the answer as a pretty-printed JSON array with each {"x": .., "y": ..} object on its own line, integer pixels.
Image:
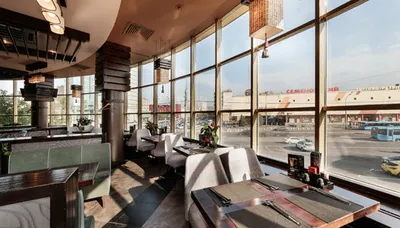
[
  {"x": 210, "y": 134},
  {"x": 83, "y": 121}
]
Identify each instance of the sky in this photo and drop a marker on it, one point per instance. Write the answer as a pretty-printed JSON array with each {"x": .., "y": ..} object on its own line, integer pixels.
[{"x": 363, "y": 51}]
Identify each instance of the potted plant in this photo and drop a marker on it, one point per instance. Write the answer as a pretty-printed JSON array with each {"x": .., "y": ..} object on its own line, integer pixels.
[
  {"x": 209, "y": 134},
  {"x": 83, "y": 122},
  {"x": 152, "y": 127},
  {"x": 4, "y": 147}
]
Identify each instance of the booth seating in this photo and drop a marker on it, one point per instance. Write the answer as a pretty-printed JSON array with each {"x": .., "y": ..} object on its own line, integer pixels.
[{"x": 25, "y": 161}]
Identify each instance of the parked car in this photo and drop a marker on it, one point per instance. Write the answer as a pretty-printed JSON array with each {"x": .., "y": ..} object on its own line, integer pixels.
[
  {"x": 293, "y": 140},
  {"x": 391, "y": 165},
  {"x": 305, "y": 145}
]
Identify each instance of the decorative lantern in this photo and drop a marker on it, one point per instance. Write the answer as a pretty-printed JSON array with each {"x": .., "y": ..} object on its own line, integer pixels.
[
  {"x": 76, "y": 91},
  {"x": 37, "y": 78},
  {"x": 162, "y": 67},
  {"x": 266, "y": 20}
]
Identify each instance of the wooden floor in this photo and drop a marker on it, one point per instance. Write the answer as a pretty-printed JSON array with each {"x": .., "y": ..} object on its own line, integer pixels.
[{"x": 139, "y": 198}]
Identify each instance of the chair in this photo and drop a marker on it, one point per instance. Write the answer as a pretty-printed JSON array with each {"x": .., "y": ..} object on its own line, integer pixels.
[
  {"x": 242, "y": 164},
  {"x": 97, "y": 130},
  {"x": 132, "y": 141},
  {"x": 202, "y": 171},
  {"x": 142, "y": 145},
  {"x": 223, "y": 150},
  {"x": 173, "y": 158},
  {"x": 161, "y": 148},
  {"x": 83, "y": 222}
]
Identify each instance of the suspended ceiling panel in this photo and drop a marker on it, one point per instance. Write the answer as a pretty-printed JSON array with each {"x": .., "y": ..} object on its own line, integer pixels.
[{"x": 96, "y": 17}]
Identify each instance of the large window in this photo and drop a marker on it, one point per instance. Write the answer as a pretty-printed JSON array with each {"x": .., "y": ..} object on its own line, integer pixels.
[
  {"x": 205, "y": 91},
  {"x": 205, "y": 49},
  {"x": 234, "y": 39},
  {"x": 182, "y": 95},
  {"x": 182, "y": 64},
  {"x": 235, "y": 85},
  {"x": 147, "y": 99},
  {"x": 235, "y": 129},
  {"x": 147, "y": 74}
]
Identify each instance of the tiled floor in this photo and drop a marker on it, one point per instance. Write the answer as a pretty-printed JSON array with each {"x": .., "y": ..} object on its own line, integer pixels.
[{"x": 139, "y": 198}]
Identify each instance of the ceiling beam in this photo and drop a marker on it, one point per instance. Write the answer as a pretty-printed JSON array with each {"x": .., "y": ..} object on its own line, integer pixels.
[
  {"x": 66, "y": 49},
  {"x": 12, "y": 40},
  {"x": 57, "y": 45},
  {"x": 36, "y": 66},
  {"x": 41, "y": 54},
  {"x": 24, "y": 21},
  {"x": 78, "y": 46},
  {"x": 37, "y": 44},
  {"x": 26, "y": 47},
  {"x": 47, "y": 46},
  {"x": 12, "y": 73},
  {"x": 3, "y": 44}
]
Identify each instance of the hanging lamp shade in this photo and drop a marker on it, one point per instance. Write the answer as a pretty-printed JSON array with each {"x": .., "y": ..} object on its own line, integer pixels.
[
  {"x": 47, "y": 4},
  {"x": 162, "y": 68},
  {"x": 76, "y": 91},
  {"x": 58, "y": 28},
  {"x": 52, "y": 16},
  {"x": 266, "y": 18}
]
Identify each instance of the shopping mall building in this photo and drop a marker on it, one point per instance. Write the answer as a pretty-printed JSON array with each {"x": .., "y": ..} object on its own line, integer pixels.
[{"x": 293, "y": 98}]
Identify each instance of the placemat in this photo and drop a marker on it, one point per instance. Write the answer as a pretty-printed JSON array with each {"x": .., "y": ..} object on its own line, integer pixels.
[
  {"x": 281, "y": 181},
  {"x": 236, "y": 192},
  {"x": 323, "y": 207},
  {"x": 262, "y": 216}
]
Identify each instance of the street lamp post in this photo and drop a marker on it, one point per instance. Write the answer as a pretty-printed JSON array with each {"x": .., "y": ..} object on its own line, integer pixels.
[{"x": 345, "y": 111}]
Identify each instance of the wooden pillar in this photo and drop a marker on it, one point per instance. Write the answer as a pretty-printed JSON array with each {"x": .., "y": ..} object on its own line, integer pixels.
[
  {"x": 39, "y": 94},
  {"x": 113, "y": 79}
]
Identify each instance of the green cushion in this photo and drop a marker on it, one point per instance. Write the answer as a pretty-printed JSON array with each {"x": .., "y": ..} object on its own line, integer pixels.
[
  {"x": 24, "y": 161},
  {"x": 100, "y": 152},
  {"x": 65, "y": 156}
]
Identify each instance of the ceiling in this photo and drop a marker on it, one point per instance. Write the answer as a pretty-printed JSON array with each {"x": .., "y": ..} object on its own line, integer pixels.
[
  {"x": 166, "y": 24},
  {"x": 173, "y": 22},
  {"x": 96, "y": 17}
]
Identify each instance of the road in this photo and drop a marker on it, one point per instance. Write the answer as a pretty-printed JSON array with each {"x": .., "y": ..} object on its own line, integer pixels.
[{"x": 350, "y": 152}]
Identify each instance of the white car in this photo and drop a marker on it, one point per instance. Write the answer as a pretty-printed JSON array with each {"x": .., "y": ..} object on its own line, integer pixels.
[
  {"x": 305, "y": 146},
  {"x": 293, "y": 140}
]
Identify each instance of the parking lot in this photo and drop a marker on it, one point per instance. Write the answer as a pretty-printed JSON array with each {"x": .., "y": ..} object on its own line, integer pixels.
[{"x": 351, "y": 153}]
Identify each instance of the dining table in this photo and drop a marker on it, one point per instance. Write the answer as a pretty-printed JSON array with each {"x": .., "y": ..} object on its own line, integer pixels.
[
  {"x": 153, "y": 138},
  {"x": 86, "y": 173},
  {"x": 279, "y": 200},
  {"x": 192, "y": 149}
]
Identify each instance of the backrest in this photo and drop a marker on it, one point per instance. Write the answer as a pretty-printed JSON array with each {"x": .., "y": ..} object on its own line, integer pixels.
[
  {"x": 223, "y": 150},
  {"x": 65, "y": 156},
  {"x": 133, "y": 140},
  {"x": 100, "y": 152},
  {"x": 141, "y": 133},
  {"x": 243, "y": 165},
  {"x": 202, "y": 171},
  {"x": 72, "y": 129},
  {"x": 163, "y": 136},
  {"x": 172, "y": 141},
  {"x": 97, "y": 130},
  {"x": 24, "y": 161}
]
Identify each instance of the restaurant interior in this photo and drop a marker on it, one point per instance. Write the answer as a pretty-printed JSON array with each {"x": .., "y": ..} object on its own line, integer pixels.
[{"x": 199, "y": 113}]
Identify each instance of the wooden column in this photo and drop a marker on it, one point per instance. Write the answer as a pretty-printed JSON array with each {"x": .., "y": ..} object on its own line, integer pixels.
[
  {"x": 39, "y": 94},
  {"x": 113, "y": 79}
]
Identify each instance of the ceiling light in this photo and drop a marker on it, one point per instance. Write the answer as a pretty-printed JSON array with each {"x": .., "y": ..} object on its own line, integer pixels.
[
  {"x": 5, "y": 41},
  {"x": 53, "y": 16},
  {"x": 47, "y": 4},
  {"x": 58, "y": 28},
  {"x": 52, "y": 51},
  {"x": 35, "y": 79}
]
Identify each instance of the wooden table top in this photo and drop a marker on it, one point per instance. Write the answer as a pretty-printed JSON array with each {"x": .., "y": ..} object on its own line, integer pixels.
[
  {"x": 193, "y": 148},
  {"x": 216, "y": 216},
  {"x": 86, "y": 173},
  {"x": 17, "y": 181},
  {"x": 153, "y": 139}
]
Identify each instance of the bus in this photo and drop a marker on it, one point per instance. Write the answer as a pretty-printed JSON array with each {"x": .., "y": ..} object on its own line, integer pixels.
[
  {"x": 368, "y": 125},
  {"x": 386, "y": 133}
]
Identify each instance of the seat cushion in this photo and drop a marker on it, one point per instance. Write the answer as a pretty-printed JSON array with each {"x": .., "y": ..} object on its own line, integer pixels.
[
  {"x": 196, "y": 218},
  {"x": 102, "y": 174},
  {"x": 145, "y": 146},
  {"x": 176, "y": 160}
]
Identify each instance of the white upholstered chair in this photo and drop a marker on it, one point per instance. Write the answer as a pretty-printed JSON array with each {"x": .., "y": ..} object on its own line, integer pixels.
[
  {"x": 161, "y": 147},
  {"x": 132, "y": 141},
  {"x": 222, "y": 150},
  {"x": 202, "y": 171},
  {"x": 97, "y": 130},
  {"x": 173, "y": 158},
  {"x": 242, "y": 164},
  {"x": 83, "y": 221},
  {"x": 142, "y": 145}
]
